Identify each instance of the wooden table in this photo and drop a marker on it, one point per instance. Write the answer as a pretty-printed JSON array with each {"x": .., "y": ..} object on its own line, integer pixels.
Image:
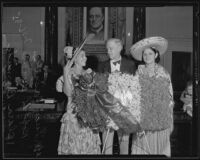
[{"x": 25, "y": 129}]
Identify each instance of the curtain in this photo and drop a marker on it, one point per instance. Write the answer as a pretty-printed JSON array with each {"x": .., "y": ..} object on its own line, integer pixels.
[
  {"x": 68, "y": 37},
  {"x": 51, "y": 36},
  {"x": 139, "y": 24}
]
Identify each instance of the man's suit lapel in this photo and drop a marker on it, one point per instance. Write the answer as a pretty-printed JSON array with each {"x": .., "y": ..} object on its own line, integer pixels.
[
  {"x": 107, "y": 67},
  {"x": 123, "y": 65}
]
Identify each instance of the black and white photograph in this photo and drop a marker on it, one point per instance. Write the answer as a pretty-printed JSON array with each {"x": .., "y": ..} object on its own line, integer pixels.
[
  {"x": 100, "y": 80},
  {"x": 95, "y": 24}
]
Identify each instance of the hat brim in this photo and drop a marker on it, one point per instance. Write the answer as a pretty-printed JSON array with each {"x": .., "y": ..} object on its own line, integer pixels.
[{"x": 158, "y": 43}]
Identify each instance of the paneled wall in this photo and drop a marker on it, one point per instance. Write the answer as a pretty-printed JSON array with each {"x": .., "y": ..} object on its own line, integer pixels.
[
  {"x": 61, "y": 33},
  {"x": 24, "y": 30},
  {"x": 173, "y": 23},
  {"x": 26, "y": 26},
  {"x": 73, "y": 19}
]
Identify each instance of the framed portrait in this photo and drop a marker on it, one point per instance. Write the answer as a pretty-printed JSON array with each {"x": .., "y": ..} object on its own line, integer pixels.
[{"x": 95, "y": 24}]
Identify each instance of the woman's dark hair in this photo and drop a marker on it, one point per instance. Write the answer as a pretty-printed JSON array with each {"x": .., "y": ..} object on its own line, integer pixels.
[{"x": 157, "y": 60}]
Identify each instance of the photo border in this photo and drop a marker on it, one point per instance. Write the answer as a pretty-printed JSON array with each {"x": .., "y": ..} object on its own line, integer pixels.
[{"x": 196, "y": 56}]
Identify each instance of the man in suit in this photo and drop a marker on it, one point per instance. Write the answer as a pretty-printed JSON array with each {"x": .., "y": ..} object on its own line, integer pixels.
[{"x": 116, "y": 63}]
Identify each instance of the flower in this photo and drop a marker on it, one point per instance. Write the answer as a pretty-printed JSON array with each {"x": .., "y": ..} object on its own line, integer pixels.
[
  {"x": 156, "y": 103},
  {"x": 89, "y": 70},
  {"x": 87, "y": 110},
  {"x": 112, "y": 124},
  {"x": 120, "y": 99},
  {"x": 127, "y": 89},
  {"x": 68, "y": 50},
  {"x": 131, "y": 103}
]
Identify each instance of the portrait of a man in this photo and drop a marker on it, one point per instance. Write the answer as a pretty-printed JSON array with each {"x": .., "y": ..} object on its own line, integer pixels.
[{"x": 95, "y": 23}]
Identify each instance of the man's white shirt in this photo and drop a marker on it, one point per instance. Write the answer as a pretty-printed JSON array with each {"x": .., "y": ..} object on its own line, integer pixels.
[{"x": 115, "y": 67}]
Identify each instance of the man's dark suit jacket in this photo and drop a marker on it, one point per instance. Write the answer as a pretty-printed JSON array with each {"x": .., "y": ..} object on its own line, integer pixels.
[
  {"x": 47, "y": 87},
  {"x": 127, "y": 66}
]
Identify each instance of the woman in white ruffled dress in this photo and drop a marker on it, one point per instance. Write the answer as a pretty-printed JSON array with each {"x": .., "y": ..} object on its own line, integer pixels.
[{"x": 75, "y": 139}]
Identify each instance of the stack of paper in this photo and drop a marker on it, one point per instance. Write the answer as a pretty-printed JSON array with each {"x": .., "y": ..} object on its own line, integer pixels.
[
  {"x": 40, "y": 106},
  {"x": 49, "y": 101}
]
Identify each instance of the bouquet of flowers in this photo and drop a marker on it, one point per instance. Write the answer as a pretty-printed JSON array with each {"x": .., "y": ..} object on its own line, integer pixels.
[
  {"x": 127, "y": 89},
  {"x": 88, "y": 110},
  {"x": 137, "y": 103},
  {"x": 122, "y": 101},
  {"x": 156, "y": 103}
]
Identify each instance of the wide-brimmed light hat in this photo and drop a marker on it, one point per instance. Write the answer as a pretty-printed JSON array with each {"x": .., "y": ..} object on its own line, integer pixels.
[{"x": 159, "y": 43}]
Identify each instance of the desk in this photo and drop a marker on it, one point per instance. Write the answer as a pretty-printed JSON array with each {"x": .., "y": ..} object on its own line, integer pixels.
[
  {"x": 181, "y": 137},
  {"x": 27, "y": 129},
  {"x": 35, "y": 125},
  {"x": 10, "y": 103},
  {"x": 32, "y": 127}
]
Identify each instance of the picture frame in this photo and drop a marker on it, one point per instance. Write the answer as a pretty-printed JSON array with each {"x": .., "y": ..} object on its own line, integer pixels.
[{"x": 94, "y": 24}]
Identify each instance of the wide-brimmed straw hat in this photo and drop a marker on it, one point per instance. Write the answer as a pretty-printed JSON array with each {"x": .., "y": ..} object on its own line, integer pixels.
[{"x": 159, "y": 43}]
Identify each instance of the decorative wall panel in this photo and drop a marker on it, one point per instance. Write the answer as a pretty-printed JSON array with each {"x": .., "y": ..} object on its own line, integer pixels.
[{"x": 116, "y": 27}]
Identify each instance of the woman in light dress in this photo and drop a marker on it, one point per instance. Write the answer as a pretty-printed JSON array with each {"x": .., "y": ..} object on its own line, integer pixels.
[
  {"x": 75, "y": 139},
  {"x": 149, "y": 50}
]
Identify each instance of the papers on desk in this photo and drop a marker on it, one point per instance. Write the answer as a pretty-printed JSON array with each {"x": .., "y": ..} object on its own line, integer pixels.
[
  {"x": 39, "y": 106},
  {"x": 46, "y": 101},
  {"x": 12, "y": 88},
  {"x": 28, "y": 91},
  {"x": 49, "y": 101}
]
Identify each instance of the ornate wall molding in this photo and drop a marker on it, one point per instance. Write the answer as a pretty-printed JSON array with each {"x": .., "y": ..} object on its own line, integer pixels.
[
  {"x": 116, "y": 24},
  {"x": 77, "y": 25}
]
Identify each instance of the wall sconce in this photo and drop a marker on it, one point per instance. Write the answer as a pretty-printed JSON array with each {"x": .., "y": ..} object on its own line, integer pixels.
[{"x": 41, "y": 23}]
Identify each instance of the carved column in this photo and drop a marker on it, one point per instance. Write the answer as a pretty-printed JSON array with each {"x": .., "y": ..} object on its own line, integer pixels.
[
  {"x": 51, "y": 36},
  {"x": 139, "y": 25}
]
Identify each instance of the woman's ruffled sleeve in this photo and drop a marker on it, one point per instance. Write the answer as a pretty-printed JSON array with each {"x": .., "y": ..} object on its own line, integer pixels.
[
  {"x": 162, "y": 72},
  {"x": 139, "y": 70}
]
